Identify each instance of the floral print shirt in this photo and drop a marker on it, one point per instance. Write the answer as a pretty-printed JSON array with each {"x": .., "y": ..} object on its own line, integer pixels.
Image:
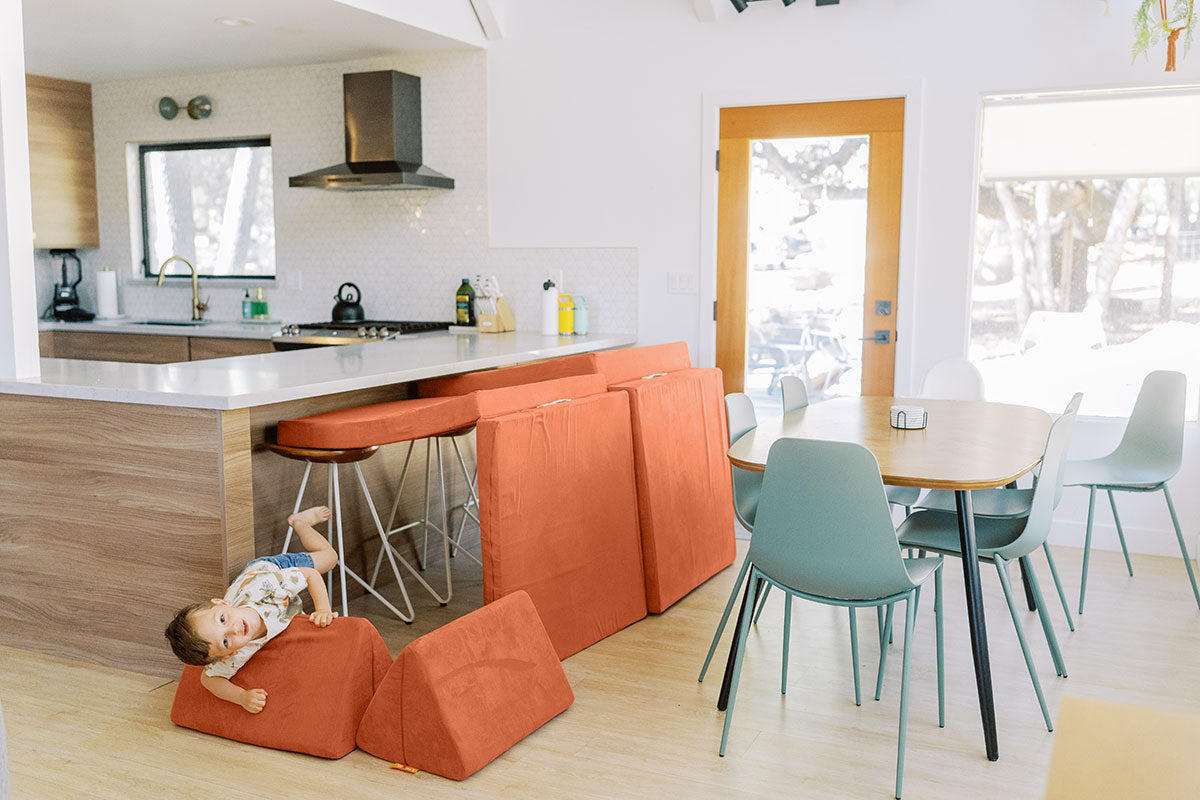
[{"x": 275, "y": 594}]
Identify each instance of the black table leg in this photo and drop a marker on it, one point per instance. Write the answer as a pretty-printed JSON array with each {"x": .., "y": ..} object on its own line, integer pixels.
[
  {"x": 727, "y": 679},
  {"x": 979, "y": 648},
  {"x": 1028, "y": 589}
]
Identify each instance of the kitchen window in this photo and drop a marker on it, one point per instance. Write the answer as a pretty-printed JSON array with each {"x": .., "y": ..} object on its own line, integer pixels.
[
  {"x": 1087, "y": 247},
  {"x": 210, "y": 202}
]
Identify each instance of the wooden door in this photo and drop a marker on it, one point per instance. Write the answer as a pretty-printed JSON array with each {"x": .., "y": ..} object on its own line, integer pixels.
[{"x": 882, "y": 122}]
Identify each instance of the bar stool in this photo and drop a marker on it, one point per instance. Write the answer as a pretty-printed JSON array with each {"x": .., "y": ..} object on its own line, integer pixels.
[
  {"x": 352, "y": 435},
  {"x": 333, "y": 458},
  {"x": 450, "y": 545}
]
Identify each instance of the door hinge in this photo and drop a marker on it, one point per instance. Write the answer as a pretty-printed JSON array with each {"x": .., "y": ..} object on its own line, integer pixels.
[
  {"x": 717, "y": 161},
  {"x": 714, "y": 310}
]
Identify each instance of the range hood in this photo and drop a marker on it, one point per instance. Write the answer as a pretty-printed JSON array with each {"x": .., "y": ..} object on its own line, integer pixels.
[{"x": 383, "y": 137}]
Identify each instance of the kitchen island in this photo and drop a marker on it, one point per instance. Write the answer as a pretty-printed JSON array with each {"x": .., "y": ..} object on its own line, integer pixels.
[{"x": 129, "y": 490}]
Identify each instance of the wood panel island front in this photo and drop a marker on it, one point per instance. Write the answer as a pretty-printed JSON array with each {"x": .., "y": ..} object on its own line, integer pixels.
[{"x": 130, "y": 490}]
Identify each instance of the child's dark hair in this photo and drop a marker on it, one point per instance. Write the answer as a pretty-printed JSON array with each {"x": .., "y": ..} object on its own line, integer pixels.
[{"x": 189, "y": 646}]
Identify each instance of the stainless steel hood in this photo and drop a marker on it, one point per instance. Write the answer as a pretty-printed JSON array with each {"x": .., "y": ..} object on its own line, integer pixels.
[{"x": 383, "y": 137}]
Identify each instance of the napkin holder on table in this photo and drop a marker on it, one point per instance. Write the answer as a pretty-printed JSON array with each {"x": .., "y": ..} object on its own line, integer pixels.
[{"x": 909, "y": 417}]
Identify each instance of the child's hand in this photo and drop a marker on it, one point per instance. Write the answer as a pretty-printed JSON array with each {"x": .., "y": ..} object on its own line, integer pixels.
[
  {"x": 322, "y": 618},
  {"x": 254, "y": 700}
]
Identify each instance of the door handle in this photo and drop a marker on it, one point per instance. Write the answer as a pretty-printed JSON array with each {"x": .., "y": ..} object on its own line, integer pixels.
[{"x": 880, "y": 337}]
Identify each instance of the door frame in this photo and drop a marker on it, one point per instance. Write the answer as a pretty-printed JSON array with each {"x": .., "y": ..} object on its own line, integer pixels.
[{"x": 912, "y": 90}]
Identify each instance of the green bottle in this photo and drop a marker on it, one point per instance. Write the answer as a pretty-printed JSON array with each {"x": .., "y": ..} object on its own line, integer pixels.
[{"x": 464, "y": 304}]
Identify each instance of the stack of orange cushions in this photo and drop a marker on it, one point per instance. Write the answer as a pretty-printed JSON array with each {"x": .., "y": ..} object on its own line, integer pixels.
[
  {"x": 319, "y": 682},
  {"x": 458, "y": 697}
]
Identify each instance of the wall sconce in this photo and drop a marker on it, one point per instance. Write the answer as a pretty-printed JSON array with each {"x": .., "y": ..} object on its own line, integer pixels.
[{"x": 199, "y": 107}]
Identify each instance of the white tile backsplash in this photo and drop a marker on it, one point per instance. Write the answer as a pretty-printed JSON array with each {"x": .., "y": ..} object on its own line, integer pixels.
[{"x": 406, "y": 250}]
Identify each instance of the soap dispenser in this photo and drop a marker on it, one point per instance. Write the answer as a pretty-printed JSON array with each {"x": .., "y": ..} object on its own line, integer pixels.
[{"x": 247, "y": 306}]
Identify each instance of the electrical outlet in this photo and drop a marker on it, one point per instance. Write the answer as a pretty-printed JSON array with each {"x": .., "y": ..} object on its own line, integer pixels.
[{"x": 682, "y": 283}]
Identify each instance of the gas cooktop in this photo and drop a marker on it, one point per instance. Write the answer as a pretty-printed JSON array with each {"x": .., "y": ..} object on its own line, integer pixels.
[{"x": 318, "y": 334}]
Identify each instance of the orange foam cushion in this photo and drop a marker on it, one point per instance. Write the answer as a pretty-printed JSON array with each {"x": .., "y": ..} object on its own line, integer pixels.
[
  {"x": 458, "y": 697},
  {"x": 497, "y": 402},
  {"x": 379, "y": 423},
  {"x": 558, "y": 511},
  {"x": 319, "y": 682},
  {"x": 685, "y": 493},
  {"x": 626, "y": 364},
  {"x": 565, "y": 367}
]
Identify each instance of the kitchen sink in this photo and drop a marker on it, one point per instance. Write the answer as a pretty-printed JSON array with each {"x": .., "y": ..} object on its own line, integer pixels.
[{"x": 189, "y": 323}]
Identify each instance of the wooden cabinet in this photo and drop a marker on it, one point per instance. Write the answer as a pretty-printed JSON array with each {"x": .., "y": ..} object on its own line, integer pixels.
[
  {"x": 144, "y": 348},
  {"x": 62, "y": 163},
  {"x": 212, "y": 347}
]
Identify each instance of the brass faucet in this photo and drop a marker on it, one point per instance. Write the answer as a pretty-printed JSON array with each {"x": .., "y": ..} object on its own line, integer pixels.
[{"x": 198, "y": 308}]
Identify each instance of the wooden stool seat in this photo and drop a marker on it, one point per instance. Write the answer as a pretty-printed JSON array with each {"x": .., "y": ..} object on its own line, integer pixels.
[{"x": 322, "y": 456}]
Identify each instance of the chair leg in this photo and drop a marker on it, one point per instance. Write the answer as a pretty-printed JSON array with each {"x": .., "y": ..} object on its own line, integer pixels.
[
  {"x": 1002, "y": 568},
  {"x": 712, "y": 648},
  {"x": 737, "y": 665},
  {"x": 885, "y": 636},
  {"x": 1087, "y": 546},
  {"x": 1060, "y": 666},
  {"x": 910, "y": 619},
  {"x": 1187, "y": 562},
  {"x": 854, "y": 654},
  {"x": 1062, "y": 597},
  {"x": 287, "y": 538},
  {"x": 787, "y": 638},
  {"x": 941, "y": 650},
  {"x": 1120, "y": 531},
  {"x": 761, "y": 603}
]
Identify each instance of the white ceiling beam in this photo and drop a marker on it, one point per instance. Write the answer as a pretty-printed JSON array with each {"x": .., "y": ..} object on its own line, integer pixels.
[{"x": 487, "y": 19}]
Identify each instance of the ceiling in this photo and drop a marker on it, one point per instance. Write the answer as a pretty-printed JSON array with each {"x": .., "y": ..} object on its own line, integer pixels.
[{"x": 91, "y": 41}]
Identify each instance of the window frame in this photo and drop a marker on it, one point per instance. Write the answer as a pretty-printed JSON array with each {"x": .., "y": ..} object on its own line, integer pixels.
[{"x": 203, "y": 144}]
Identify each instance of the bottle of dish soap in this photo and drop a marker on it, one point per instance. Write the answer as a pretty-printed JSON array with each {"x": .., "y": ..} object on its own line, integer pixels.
[
  {"x": 247, "y": 306},
  {"x": 464, "y": 304},
  {"x": 258, "y": 306}
]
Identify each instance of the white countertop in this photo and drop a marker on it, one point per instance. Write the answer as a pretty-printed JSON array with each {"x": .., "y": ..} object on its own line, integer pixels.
[
  {"x": 244, "y": 381},
  {"x": 217, "y": 328}
]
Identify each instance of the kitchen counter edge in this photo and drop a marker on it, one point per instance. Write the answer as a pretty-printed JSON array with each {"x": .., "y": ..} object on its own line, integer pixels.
[{"x": 257, "y": 380}]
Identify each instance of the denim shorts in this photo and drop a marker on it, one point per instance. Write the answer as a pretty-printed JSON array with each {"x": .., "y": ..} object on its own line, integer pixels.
[{"x": 286, "y": 560}]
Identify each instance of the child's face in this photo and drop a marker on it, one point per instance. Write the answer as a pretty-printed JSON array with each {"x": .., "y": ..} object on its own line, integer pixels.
[{"x": 226, "y": 628}]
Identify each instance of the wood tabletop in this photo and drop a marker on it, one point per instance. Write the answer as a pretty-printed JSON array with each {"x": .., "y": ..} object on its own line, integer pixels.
[{"x": 965, "y": 444}]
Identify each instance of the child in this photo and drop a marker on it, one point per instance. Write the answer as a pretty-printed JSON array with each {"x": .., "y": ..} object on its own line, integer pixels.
[{"x": 222, "y": 635}]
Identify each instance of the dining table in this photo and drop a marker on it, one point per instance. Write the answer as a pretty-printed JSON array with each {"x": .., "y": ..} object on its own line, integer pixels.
[{"x": 964, "y": 445}]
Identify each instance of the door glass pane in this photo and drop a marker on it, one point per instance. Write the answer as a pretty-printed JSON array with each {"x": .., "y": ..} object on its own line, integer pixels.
[{"x": 806, "y": 267}]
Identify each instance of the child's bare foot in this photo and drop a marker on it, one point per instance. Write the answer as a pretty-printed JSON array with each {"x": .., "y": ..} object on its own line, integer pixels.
[{"x": 310, "y": 516}]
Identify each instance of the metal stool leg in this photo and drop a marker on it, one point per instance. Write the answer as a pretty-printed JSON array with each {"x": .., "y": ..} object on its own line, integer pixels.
[
  {"x": 287, "y": 539},
  {"x": 337, "y": 513}
]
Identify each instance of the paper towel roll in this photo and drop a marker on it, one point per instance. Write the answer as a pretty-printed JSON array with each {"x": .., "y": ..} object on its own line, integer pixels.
[{"x": 106, "y": 294}]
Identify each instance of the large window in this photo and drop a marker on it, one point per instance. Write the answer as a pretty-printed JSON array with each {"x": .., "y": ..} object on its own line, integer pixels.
[
  {"x": 1087, "y": 247},
  {"x": 210, "y": 202}
]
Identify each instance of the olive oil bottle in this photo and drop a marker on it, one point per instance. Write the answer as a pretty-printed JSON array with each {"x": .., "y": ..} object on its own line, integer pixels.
[{"x": 464, "y": 304}]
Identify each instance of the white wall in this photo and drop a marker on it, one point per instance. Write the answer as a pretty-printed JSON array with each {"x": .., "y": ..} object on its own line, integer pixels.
[
  {"x": 406, "y": 250},
  {"x": 609, "y": 98}
]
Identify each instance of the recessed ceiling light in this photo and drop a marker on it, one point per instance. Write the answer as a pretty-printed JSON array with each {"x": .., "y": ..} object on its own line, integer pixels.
[{"x": 234, "y": 22}]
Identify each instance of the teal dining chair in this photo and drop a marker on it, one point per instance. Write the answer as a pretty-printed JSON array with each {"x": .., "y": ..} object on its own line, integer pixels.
[
  {"x": 1150, "y": 454},
  {"x": 1008, "y": 539},
  {"x": 823, "y": 533},
  {"x": 794, "y": 392},
  {"x": 1005, "y": 503}
]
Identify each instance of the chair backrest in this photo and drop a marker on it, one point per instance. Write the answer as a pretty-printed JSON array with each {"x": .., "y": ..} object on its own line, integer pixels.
[
  {"x": 739, "y": 411},
  {"x": 1071, "y": 409},
  {"x": 823, "y": 525},
  {"x": 1048, "y": 490},
  {"x": 953, "y": 379},
  {"x": 795, "y": 393},
  {"x": 1153, "y": 438}
]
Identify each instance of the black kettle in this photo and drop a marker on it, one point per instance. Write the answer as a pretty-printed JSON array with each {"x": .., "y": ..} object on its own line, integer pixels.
[{"x": 348, "y": 309}]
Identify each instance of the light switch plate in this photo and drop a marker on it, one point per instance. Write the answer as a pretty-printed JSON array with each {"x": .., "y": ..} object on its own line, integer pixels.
[{"x": 682, "y": 283}]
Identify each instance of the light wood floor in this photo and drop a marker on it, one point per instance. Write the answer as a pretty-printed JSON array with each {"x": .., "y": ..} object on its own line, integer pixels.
[{"x": 642, "y": 727}]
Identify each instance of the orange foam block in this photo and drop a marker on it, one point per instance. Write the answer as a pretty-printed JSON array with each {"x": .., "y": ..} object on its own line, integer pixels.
[
  {"x": 458, "y": 697},
  {"x": 319, "y": 682}
]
